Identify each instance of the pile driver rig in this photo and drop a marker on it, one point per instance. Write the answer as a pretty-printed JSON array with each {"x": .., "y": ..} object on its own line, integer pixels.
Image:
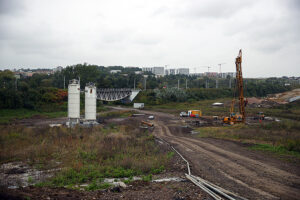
[{"x": 237, "y": 117}]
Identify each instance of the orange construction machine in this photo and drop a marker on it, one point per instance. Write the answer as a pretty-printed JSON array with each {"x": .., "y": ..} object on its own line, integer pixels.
[
  {"x": 195, "y": 113},
  {"x": 237, "y": 117}
]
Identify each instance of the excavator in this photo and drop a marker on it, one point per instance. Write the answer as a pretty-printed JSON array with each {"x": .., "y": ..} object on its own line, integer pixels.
[{"x": 237, "y": 117}]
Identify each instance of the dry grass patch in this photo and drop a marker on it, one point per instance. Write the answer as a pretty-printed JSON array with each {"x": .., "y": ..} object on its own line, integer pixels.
[
  {"x": 85, "y": 154},
  {"x": 280, "y": 135}
]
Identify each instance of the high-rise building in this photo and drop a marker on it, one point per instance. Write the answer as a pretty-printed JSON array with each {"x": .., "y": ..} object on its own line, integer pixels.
[
  {"x": 158, "y": 70},
  {"x": 170, "y": 71},
  {"x": 185, "y": 71},
  {"x": 147, "y": 69}
]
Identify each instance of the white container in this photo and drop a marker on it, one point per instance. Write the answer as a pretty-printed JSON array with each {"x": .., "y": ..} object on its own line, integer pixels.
[
  {"x": 90, "y": 102},
  {"x": 74, "y": 99},
  {"x": 138, "y": 105}
]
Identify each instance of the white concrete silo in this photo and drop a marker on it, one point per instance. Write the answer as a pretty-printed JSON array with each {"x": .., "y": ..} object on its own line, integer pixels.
[
  {"x": 74, "y": 101},
  {"x": 90, "y": 102}
]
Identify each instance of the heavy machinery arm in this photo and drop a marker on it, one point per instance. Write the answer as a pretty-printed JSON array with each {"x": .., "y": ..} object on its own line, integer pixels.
[
  {"x": 239, "y": 78},
  {"x": 237, "y": 117}
]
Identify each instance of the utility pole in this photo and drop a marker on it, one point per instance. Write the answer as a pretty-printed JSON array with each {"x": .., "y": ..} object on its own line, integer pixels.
[
  {"x": 220, "y": 65},
  {"x": 134, "y": 84},
  {"x": 185, "y": 83},
  {"x": 208, "y": 68},
  {"x": 178, "y": 84},
  {"x": 207, "y": 83},
  {"x": 64, "y": 82},
  {"x": 166, "y": 70},
  {"x": 217, "y": 82},
  {"x": 195, "y": 70},
  {"x": 230, "y": 82}
]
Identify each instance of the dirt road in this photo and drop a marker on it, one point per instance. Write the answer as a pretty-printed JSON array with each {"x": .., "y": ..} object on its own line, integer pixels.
[{"x": 231, "y": 165}]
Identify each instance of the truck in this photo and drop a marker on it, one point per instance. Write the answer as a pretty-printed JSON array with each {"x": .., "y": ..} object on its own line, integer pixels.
[
  {"x": 138, "y": 105},
  {"x": 183, "y": 114},
  {"x": 195, "y": 113}
]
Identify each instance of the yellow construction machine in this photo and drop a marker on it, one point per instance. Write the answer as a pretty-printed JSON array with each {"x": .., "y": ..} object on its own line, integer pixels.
[{"x": 237, "y": 117}]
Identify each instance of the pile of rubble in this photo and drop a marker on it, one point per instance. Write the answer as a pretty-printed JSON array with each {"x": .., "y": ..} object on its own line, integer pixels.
[{"x": 274, "y": 99}]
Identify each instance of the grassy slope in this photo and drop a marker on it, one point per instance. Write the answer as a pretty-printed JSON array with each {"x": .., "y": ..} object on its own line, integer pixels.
[
  {"x": 7, "y": 115},
  {"x": 50, "y": 111},
  {"x": 278, "y": 137}
]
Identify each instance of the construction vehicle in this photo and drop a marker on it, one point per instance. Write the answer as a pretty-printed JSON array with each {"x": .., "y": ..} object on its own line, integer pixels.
[
  {"x": 195, "y": 113},
  {"x": 147, "y": 123},
  {"x": 237, "y": 117},
  {"x": 183, "y": 114}
]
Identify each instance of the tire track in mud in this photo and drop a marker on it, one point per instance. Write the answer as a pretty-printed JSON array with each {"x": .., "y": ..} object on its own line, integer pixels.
[
  {"x": 262, "y": 170},
  {"x": 263, "y": 179},
  {"x": 240, "y": 173}
]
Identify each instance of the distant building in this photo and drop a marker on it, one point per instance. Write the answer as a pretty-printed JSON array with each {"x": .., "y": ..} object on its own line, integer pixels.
[
  {"x": 211, "y": 74},
  {"x": 170, "y": 71},
  {"x": 28, "y": 74},
  {"x": 147, "y": 69},
  {"x": 226, "y": 74},
  {"x": 167, "y": 72},
  {"x": 197, "y": 74},
  {"x": 58, "y": 69},
  {"x": 185, "y": 71},
  {"x": 17, "y": 76},
  {"x": 158, "y": 71},
  {"x": 115, "y": 71}
]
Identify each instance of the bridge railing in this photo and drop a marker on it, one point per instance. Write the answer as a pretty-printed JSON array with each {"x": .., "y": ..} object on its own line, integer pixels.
[{"x": 113, "y": 94}]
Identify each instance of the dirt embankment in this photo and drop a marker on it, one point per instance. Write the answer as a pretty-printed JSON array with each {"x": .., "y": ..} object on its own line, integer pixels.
[{"x": 137, "y": 190}]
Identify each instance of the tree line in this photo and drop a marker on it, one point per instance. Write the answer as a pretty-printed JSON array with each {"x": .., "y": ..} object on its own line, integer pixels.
[{"x": 42, "y": 91}]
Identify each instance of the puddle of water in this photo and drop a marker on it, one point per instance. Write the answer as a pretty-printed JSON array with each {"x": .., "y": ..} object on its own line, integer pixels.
[
  {"x": 176, "y": 179},
  {"x": 19, "y": 174}
]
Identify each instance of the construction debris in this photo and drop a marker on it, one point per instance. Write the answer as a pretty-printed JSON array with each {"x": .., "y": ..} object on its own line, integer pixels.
[{"x": 147, "y": 123}]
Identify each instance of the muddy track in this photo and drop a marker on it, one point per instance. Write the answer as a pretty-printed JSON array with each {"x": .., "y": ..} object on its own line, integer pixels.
[
  {"x": 248, "y": 177},
  {"x": 228, "y": 164}
]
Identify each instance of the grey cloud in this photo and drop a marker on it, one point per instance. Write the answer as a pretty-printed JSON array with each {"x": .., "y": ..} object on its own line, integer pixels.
[
  {"x": 293, "y": 4},
  {"x": 212, "y": 9},
  {"x": 160, "y": 10},
  {"x": 174, "y": 32},
  {"x": 266, "y": 33},
  {"x": 146, "y": 39},
  {"x": 10, "y": 6},
  {"x": 116, "y": 36}
]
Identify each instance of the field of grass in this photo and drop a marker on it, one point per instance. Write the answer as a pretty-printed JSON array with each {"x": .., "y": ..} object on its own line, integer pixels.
[
  {"x": 86, "y": 155},
  {"x": 278, "y": 137},
  {"x": 280, "y": 150},
  {"x": 8, "y": 115}
]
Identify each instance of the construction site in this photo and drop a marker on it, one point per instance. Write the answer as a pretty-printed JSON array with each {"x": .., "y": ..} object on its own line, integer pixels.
[{"x": 239, "y": 148}]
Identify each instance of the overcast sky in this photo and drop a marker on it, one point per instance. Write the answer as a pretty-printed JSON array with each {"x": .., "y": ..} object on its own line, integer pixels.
[{"x": 177, "y": 33}]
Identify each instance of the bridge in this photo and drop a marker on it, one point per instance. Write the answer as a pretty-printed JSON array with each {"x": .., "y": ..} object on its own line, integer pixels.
[{"x": 115, "y": 94}]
